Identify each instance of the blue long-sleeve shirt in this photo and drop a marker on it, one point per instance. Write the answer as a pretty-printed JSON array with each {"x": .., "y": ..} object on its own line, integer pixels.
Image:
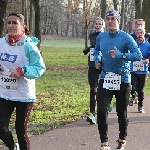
[
  {"x": 145, "y": 49},
  {"x": 125, "y": 45}
]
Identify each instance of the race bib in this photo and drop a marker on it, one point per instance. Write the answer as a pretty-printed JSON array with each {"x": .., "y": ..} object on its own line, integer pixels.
[
  {"x": 8, "y": 82},
  {"x": 91, "y": 54},
  {"x": 138, "y": 66},
  {"x": 112, "y": 81}
]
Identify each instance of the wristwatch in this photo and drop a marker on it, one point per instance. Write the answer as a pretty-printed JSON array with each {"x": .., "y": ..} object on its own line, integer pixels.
[{"x": 124, "y": 56}]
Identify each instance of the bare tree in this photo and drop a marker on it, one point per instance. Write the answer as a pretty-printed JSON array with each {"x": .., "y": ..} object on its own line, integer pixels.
[
  {"x": 3, "y": 4},
  {"x": 146, "y": 14},
  {"x": 103, "y": 8},
  {"x": 138, "y": 8},
  {"x": 36, "y": 5}
]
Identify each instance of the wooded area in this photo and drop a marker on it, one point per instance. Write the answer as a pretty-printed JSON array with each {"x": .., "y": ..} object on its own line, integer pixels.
[{"x": 72, "y": 18}]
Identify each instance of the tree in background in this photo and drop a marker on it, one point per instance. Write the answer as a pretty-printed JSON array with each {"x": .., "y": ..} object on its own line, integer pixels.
[
  {"x": 146, "y": 14},
  {"x": 3, "y": 4},
  {"x": 138, "y": 9}
]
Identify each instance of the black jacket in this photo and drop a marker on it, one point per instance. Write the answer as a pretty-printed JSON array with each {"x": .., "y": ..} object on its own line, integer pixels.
[{"x": 92, "y": 38}]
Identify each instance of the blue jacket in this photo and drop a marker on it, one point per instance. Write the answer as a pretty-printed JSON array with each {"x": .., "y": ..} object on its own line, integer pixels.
[
  {"x": 145, "y": 49},
  {"x": 125, "y": 45}
]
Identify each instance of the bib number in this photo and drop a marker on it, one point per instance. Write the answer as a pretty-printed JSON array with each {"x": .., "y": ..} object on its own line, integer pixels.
[
  {"x": 138, "y": 66},
  {"x": 8, "y": 82},
  {"x": 91, "y": 54},
  {"x": 112, "y": 81}
]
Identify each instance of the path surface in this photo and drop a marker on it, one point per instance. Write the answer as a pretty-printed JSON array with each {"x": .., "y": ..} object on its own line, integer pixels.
[{"x": 80, "y": 135}]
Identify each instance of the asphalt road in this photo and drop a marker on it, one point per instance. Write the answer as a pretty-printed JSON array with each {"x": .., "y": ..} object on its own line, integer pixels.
[{"x": 80, "y": 135}]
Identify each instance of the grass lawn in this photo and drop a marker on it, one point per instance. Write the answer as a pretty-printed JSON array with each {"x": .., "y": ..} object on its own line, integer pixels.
[{"x": 63, "y": 90}]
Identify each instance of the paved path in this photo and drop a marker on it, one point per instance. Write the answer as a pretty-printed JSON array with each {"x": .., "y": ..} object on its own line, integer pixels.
[{"x": 80, "y": 135}]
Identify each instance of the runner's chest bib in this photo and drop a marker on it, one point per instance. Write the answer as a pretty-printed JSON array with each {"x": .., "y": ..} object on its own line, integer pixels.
[
  {"x": 138, "y": 66},
  {"x": 8, "y": 82},
  {"x": 91, "y": 54},
  {"x": 112, "y": 81}
]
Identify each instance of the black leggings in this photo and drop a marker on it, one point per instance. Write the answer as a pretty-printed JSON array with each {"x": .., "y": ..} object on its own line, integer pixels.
[
  {"x": 93, "y": 77},
  {"x": 138, "y": 84},
  {"x": 104, "y": 97},
  {"x": 22, "y": 116}
]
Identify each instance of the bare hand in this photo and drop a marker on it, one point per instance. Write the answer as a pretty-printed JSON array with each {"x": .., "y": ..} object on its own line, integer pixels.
[
  {"x": 144, "y": 62},
  {"x": 15, "y": 74},
  {"x": 113, "y": 52},
  {"x": 98, "y": 66}
]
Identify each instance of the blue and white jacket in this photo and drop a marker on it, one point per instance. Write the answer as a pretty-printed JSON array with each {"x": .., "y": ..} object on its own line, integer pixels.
[
  {"x": 125, "y": 45},
  {"x": 24, "y": 54},
  {"x": 145, "y": 49}
]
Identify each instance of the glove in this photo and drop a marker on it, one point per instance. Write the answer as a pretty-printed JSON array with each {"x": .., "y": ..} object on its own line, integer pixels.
[{"x": 85, "y": 51}]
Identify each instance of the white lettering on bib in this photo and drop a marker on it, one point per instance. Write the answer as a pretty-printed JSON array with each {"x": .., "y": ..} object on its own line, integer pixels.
[
  {"x": 138, "y": 66},
  {"x": 112, "y": 81}
]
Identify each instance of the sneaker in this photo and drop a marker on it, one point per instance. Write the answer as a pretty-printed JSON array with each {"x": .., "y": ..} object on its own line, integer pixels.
[
  {"x": 131, "y": 102},
  {"x": 121, "y": 144},
  {"x": 110, "y": 106},
  {"x": 105, "y": 146},
  {"x": 91, "y": 119},
  {"x": 16, "y": 147},
  {"x": 140, "y": 109},
  {"x": 136, "y": 100}
]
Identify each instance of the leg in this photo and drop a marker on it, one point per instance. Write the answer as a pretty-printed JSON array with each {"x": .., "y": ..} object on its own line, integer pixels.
[
  {"x": 22, "y": 116},
  {"x": 104, "y": 97},
  {"x": 134, "y": 84},
  {"x": 141, "y": 85},
  {"x": 6, "y": 109},
  {"x": 122, "y": 98},
  {"x": 93, "y": 76}
]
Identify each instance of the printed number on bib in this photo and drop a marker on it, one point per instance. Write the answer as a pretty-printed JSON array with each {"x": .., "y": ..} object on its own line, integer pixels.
[
  {"x": 138, "y": 66},
  {"x": 8, "y": 82},
  {"x": 112, "y": 81},
  {"x": 91, "y": 54}
]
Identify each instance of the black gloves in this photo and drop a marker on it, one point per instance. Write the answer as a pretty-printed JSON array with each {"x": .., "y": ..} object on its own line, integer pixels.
[{"x": 85, "y": 51}]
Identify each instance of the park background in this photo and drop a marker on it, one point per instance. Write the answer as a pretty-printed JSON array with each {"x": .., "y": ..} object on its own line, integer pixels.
[{"x": 63, "y": 27}]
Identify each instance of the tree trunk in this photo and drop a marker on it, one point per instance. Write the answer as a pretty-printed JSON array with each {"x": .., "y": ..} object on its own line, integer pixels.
[
  {"x": 115, "y": 4},
  {"x": 146, "y": 14},
  {"x": 3, "y": 4},
  {"x": 37, "y": 21},
  {"x": 103, "y": 8},
  {"x": 122, "y": 15},
  {"x": 138, "y": 9}
]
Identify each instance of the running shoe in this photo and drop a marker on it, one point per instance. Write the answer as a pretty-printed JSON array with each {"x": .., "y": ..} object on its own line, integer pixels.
[
  {"x": 110, "y": 106},
  {"x": 16, "y": 147},
  {"x": 120, "y": 144},
  {"x": 91, "y": 119},
  {"x": 140, "y": 109},
  {"x": 105, "y": 146},
  {"x": 136, "y": 100}
]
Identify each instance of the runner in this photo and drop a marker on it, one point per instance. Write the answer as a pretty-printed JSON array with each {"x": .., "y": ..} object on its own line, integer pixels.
[
  {"x": 117, "y": 49},
  {"x": 93, "y": 73},
  {"x": 139, "y": 69}
]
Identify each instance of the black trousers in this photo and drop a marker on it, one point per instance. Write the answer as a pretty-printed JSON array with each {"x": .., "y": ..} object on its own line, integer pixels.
[
  {"x": 104, "y": 97},
  {"x": 138, "y": 84},
  {"x": 93, "y": 76},
  {"x": 22, "y": 116}
]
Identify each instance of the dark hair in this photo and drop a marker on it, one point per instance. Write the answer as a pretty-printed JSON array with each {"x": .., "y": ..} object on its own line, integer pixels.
[
  {"x": 26, "y": 30},
  {"x": 21, "y": 17}
]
